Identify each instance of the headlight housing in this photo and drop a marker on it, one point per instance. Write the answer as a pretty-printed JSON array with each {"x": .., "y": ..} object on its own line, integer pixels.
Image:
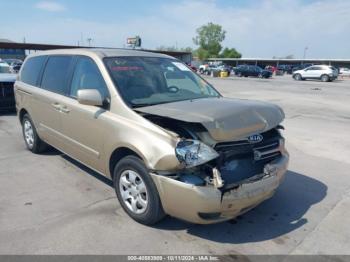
[{"x": 193, "y": 153}]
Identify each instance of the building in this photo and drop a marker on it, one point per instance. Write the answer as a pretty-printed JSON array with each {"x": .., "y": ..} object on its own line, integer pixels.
[
  {"x": 262, "y": 62},
  {"x": 14, "y": 53}
]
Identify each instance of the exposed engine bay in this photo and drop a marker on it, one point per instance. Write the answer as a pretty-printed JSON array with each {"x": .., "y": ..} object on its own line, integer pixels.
[{"x": 236, "y": 161}]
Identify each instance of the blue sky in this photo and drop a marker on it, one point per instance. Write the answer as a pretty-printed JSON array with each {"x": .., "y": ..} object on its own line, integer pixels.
[{"x": 255, "y": 28}]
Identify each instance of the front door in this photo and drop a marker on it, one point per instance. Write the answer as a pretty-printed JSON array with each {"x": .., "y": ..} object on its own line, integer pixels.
[{"x": 83, "y": 126}]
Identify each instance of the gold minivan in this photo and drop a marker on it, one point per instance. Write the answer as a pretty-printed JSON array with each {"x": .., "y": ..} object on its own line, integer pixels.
[{"x": 170, "y": 142}]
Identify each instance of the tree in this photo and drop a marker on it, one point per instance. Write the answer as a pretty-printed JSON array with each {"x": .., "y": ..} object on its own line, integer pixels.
[
  {"x": 209, "y": 38},
  {"x": 230, "y": 53}
]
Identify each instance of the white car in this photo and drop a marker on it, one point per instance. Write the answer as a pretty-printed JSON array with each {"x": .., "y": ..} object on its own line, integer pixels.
[
  {"x": 323, "y": 72},
  {"x": 4, "y": 68},
  {"x": 344, "y": 71}
]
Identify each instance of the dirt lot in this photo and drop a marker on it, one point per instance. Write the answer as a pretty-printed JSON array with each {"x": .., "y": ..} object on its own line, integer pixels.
[{"x": 49, "y": 204}]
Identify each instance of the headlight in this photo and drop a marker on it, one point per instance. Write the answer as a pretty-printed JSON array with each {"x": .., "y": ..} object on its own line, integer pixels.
[{"x": 193, "y": 152}]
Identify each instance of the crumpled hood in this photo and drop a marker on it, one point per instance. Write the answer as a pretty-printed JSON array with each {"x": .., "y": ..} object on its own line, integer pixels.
[{"x": 225, "y": 119}]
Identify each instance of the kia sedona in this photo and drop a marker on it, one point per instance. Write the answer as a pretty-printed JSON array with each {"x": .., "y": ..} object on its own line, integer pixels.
[{"x": 171, "y": 143}]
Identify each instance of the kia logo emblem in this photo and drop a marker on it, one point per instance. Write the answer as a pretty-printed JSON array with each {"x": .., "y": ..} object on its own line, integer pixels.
[{"x": 255, "y": 138}]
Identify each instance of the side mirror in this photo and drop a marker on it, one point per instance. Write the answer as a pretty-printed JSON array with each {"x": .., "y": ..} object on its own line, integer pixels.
[{"x": 91, "y": 97}]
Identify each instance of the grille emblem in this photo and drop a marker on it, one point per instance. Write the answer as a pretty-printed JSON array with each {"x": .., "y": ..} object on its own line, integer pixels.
[{"x": 255, "y": 138}]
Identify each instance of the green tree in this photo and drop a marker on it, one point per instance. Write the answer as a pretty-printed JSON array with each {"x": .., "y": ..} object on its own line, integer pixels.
[
  {"x": 230, "y": 53},
  {"x": 209, "y": 38}
]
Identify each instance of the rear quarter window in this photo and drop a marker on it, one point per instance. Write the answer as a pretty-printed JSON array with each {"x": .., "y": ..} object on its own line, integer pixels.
[
  {"x": 56, "y": 73},
  {"x": 31, "y": 70}
]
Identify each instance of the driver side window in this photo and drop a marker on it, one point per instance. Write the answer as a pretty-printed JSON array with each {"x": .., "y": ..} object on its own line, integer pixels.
[{"x": 87, "y": 76}]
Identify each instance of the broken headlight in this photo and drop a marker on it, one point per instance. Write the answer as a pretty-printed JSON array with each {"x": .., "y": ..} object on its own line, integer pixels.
[{"x": 193, "y": 152}]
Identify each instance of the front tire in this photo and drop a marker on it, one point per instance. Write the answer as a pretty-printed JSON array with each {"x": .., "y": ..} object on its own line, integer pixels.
[
  {"x": 136, "y": 191},
  {"x": 297, "y": 77},
  {"x": 31, "y": 138}
]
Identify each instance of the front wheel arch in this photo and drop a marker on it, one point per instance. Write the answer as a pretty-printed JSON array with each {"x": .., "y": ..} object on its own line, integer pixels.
[
  {"x": 117, "y": 155},
  {"x": 21, "y": 114}
]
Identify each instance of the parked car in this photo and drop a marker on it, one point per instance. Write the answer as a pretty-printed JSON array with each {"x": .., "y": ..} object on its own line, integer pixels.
[
  {"x": 15, "y": 64},
  {"x": 250, "y": 70},
  {"x": 270, "y": 68},
  {"x": 323, "y": 72},
  {"x": 206, "y": 69},
  {"x": 343, "y": 71},
  {"x": 202, "y": 68},
  {"x": 7, "y": 80},
  {"x": 15, "y": 68},
  {"x": 169, "y": 141},
  {"x": 193, "y": 68},
  {"x": 214, "y": 70},
  {"x": 285, "y": 69}
]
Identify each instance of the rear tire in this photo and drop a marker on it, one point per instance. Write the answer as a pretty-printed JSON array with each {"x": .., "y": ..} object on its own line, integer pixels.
[
  {"x": 31, "y": 138},
  {"x": 136, "y": 191},
  {"x": 325, "y": 78}
]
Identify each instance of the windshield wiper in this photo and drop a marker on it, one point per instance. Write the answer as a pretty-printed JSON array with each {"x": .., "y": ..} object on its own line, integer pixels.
[{"x": 142, "y": 105}]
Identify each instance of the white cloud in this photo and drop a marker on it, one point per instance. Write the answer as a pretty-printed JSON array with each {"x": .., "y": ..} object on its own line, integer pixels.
[
  {"x": 266, "y": 29},
  {"x": 50, "y": 6}
]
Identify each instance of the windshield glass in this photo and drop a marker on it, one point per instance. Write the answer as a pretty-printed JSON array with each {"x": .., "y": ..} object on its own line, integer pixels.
[
  {"x": 144, "y": 81},
  {"x": 4, "y": 68}
]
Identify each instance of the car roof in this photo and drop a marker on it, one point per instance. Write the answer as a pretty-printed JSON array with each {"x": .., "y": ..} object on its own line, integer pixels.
[{"x": 101, "y": 52}]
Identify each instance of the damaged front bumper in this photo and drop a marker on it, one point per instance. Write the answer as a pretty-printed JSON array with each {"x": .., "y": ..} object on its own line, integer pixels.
[{"x": 208, "y": 204}]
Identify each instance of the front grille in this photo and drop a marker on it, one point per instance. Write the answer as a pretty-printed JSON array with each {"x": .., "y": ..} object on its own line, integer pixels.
[
  {"x": 241, "y": 159},
  {"x": 267, "y": 149},
  {"x": 7, "y": 96}
]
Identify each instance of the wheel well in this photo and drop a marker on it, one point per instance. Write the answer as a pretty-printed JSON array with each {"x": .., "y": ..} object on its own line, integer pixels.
[
  {"x": 21, "y": 114},
  {"x": 118, "y": 154}
]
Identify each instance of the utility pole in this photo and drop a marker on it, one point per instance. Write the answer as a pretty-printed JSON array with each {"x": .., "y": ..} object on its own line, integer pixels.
[
  {"x": 89, "y": 41},
  {"x": 305, "y": 49}
]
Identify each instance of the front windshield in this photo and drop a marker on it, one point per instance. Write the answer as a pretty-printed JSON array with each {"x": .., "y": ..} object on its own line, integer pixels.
[
  {"x": 4, "y": 69},
  {"x": 144, "y": 81}
]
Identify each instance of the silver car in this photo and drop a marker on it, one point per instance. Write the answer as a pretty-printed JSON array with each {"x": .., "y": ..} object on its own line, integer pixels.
[{"x": 325, "y": 73}]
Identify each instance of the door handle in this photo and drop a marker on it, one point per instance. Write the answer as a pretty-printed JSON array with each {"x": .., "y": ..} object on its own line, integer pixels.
[
  {"x": 57, "y": 106},
  {"x": 65, "y": 109}
]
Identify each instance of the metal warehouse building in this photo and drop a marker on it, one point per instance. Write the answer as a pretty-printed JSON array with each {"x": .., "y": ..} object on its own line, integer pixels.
[
  {"x": 13, "y": 53},
  {"x": 275, "y": 62}
]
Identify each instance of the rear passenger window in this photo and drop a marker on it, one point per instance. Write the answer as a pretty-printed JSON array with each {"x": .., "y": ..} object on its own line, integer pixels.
[
  {"x": 87, "y": 76},
  {"x": 55, "y": 77},
  {"x": 31, "y": 70}
]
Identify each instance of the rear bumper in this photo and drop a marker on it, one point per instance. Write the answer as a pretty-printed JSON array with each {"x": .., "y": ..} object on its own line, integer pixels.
[{"x": 207, "y": 204}]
